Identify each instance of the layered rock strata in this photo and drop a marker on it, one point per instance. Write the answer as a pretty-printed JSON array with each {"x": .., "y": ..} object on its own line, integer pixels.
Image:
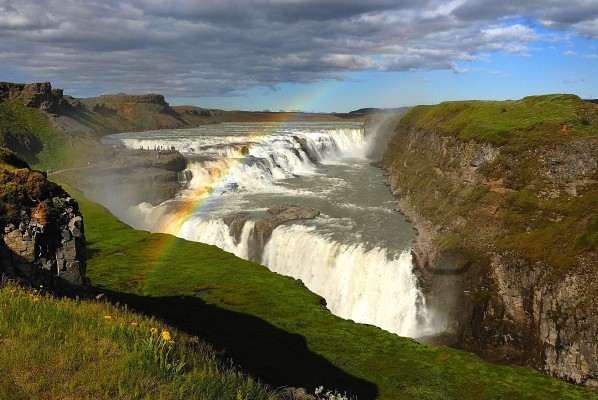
[
  {"x": 34, "y": 95},
  {"x": 510, "y": 302}
]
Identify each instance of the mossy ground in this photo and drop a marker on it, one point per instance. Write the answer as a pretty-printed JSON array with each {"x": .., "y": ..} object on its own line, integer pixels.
[
  {"x": 47, "y": 147},
  {"x": 23, "y": 189},
  {"x": 551, "y": 229},
  {"x": 280, "y": 332},
  {"x": 531, "y": 121}
]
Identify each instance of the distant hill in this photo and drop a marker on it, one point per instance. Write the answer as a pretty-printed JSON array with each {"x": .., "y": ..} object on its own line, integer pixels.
[
  {"x": 371, "y": 110},
  {"x": 53, "y": 130},
  {"x": 112, "y": 113}
]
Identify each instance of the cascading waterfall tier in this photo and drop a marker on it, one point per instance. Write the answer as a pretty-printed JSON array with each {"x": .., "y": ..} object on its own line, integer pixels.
[
  {"x": 356, "y": 254},
  {"x": 365, "y": 286}
]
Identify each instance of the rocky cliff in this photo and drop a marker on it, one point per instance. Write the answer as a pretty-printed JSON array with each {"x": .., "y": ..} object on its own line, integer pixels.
[
  {"x": 124, "y": 178},
  {"x": 105, "y": 114},
  {"x": 505, "y": 198},
  {"x": 35, "y": 95},
  {"x": 265, "y": 225},
  {"x": 41, "y": 230}
]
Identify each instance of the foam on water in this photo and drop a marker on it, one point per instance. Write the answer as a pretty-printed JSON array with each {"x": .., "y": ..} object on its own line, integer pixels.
[{"x": 243, "y": 169}]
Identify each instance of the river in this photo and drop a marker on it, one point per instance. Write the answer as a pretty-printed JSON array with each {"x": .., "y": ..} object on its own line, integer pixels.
[{"x": 355, "y": 253}]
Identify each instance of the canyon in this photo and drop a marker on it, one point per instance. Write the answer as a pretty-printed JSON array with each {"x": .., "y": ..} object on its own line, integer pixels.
[
  {"x": 505, "y": 252},
  {"x": 504, "y": 227}
]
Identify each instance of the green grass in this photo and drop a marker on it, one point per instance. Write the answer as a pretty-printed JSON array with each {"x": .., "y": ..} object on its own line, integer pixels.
[
  {"x": 280, "y": 332},
  {"x": 549, "y": 229},
  {"x": 522, "y": 123},
  {"x": 66, "y": 349},
  {"x": 49, "y": 148}
]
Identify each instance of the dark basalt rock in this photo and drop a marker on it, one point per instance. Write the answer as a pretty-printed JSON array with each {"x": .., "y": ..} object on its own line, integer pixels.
[
  {"x": 42, "y": 238},
  {"x": 283, "y": 213}
]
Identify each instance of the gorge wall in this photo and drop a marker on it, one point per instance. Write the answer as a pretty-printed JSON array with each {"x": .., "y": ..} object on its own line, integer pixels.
[
  {"x": 41, "y": 230},
  {"x": 507, "y": 222},
  {"x": 98, "y": 116}
]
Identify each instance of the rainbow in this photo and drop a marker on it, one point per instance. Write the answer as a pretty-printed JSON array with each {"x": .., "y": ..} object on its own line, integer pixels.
[{"x": 203, "y": 199}]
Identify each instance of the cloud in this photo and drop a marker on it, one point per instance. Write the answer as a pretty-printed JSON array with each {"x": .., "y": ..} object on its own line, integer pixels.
[
  {"x": 588, "y": 28},
  {"x": 500, "y": 74},
  {"x": 347, "y": 62},
  {"x": 223, "y": 47}
]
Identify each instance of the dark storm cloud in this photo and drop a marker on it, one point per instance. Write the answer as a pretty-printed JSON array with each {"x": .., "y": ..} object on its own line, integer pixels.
[
  {"x": 560, "y": 14},
  {"x": 217, "y": 48}
]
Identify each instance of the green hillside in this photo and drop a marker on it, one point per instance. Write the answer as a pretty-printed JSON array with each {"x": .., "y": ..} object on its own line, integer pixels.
[
  {"x": 533, "y": 120},
  {"x": 28, "y": 132},
  {"x": 534, "y": 210},
  {"x": 65, "y": 349},
  {"x": 278, "y": 331}
]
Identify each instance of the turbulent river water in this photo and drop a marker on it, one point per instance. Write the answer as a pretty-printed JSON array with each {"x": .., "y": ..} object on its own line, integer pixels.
[{"x": 355, "y": 254}]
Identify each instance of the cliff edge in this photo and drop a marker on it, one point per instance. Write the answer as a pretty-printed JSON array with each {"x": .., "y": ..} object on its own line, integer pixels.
[
  {"x": 505, "y": 198},
  {"x": 41, "y": 230}
]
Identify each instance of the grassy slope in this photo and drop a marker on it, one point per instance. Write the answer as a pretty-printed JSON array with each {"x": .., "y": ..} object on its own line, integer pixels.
[
  {"x": 279, "y": 331},
  {"x": 57, "y": 150},
  {"x": 65, "y": 349},
  {"x": 521, "y": 123},
  {"x": 560, "y": 227}
]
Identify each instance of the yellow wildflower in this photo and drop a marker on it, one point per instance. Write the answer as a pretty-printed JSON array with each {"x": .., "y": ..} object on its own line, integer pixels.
[
  {"x": 166, "y": 335},
  {"x": 107, "y": 316},
  {"x": 134, "y": 324},
  {"x": 153, "y": 330},
  {"x": 36, "y": 299}
]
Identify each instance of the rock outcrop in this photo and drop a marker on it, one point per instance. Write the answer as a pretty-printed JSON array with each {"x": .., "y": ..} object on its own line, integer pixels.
[
  {"x": 105, "y": 114},
  {"x": 504, "y": 246},
  {"x": 282, "y": 213},
  {"x": 41, "y": 230},
  {"x": 35, "y": 95},
  {"x": 263, "y": 227},
  {"x": 126, "y": 178}
]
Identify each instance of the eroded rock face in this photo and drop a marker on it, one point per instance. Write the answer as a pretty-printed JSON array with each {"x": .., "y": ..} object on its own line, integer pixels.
[
  {"x": 283, "y": 213},
  {"x": 531, "y": 317},
  {"x": 499, "y": 304},
  {"x": 126, "y": 178},
  {"x": 42, "y": 238},
  {"x": 34, "y": 95}
]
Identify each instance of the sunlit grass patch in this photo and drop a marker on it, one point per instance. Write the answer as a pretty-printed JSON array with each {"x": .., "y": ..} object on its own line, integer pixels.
[
  {"x": 277, "y": 330},
  {"x": 62, "y": 348}
]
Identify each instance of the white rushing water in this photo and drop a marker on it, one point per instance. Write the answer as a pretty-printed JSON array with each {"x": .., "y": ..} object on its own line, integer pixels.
[
  {"x": 365, "y": 286},
  {"x": 356, "y": 254}
]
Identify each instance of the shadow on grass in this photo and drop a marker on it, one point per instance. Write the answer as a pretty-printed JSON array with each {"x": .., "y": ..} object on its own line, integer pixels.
[{"x": 276, "y": 357}]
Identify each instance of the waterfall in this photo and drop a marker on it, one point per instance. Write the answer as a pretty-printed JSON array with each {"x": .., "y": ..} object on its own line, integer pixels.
[
  {"x": 362, "y": 283},
  {"x": 365, "y": 286}
]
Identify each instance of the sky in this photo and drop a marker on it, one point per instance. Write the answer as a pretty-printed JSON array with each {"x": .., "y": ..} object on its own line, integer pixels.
[{"x": 309, "y": 55}]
